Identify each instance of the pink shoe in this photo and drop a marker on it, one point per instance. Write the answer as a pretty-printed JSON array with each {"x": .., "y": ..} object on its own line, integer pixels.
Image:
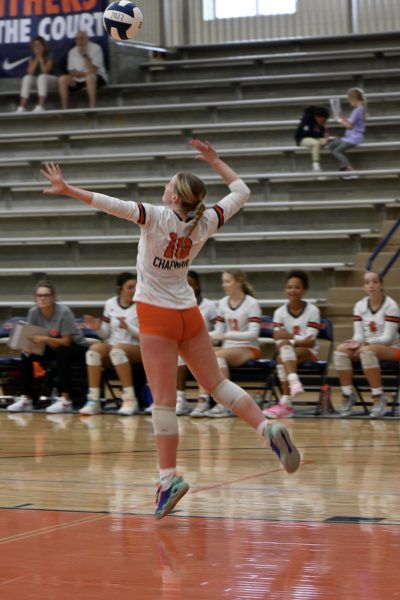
[
  {"x": 296, "y": 388},
  {"x": 279, "y": 411}
]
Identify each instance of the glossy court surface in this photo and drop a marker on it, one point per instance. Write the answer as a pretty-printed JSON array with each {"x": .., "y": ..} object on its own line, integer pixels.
[{"x": 77, "y": 498}]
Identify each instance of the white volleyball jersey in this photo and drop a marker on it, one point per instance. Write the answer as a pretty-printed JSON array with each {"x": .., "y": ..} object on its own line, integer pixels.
[
  {"x": 379, "y": 326},
  {"x": 164, "y": 257},
  {"x": 110, "y": 326},
  {"x": 242, "y": 324},
  {"x": 304, "y": 325},
  {"x": 208, "y": 309}
]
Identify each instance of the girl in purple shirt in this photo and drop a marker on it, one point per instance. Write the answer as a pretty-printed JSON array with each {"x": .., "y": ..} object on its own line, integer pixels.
[{"x": 355, "y": 129}]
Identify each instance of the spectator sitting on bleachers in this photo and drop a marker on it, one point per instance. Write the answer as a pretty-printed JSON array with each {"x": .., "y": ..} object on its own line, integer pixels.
[
  {"x": 40, "y": 71},
  {"x": 296, "y": 327},
  {"x": 86, "y": 69},
  {"x": 65, "y": 344},
  {"x": 238, "y": 327},
  {"x": 119, "y": 328},
  {"x": 208, "y": 310},
  {"x": 311, "y": 132},
  {"x": 376, "y": 337},
  {"x": 355, "y": 130}
]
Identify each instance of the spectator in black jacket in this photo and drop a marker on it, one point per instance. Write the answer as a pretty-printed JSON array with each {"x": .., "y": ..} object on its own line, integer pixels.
[{"x": 312, "y": 133}]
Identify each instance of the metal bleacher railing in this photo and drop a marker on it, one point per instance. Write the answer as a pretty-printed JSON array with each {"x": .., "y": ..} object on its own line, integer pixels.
[{"x": 382, "y": 244}]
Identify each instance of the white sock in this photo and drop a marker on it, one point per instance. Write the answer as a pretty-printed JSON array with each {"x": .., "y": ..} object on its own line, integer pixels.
[
  {"x": 347, "y": 390},
  {"x": 166, "y": 476},
  {"x": 180, "y": 395},
  {"x": 94, "y": 394},
  {"x": 261, "y": 427},
  {"x": 285, "y": 400},
  {"x": 377, "y": 391},
  {"x": 316, "y": 166},
  {"x": 128, "y": 393},
  {"x": 293, "y": 378}
]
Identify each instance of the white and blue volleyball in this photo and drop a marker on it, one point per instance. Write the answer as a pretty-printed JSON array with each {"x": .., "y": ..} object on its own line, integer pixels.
[{"x": 122, "y": 20}]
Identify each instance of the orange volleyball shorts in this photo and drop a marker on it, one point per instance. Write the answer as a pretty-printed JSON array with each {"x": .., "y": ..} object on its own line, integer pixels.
[{"x": 171, "y": 323}]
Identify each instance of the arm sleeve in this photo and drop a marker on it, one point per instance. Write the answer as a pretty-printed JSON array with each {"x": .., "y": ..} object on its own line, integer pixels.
[
  {"x": 105, "y": 327},
  {"x": 212, "y": 317},
  {"x": 219, "y": 326},
  {"x": 277, "y": 319},
  {"x": 312, "y": 325},
  {"x": 131, "y": 211},
  {"x": 358, "y": 330},
  {"x": 228, "y": 206}
]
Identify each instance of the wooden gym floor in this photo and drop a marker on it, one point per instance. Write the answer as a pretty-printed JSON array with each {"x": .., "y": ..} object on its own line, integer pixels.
[{"x": 77, "y": 495}]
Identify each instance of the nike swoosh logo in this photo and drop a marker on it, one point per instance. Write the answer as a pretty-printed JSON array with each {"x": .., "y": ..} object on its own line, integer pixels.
[{"x": 8, "y": 66}]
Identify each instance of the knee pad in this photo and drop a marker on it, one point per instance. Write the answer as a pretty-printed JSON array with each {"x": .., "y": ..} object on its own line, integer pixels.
[
  {"x": 282, "y": 375},
  {"x": 341, "y": 361},
  {"x": 228, "y": 393},
  {"x": 93, "y": 359},
  {"x": 165, "y": 421},
  {"x": 369, "y": 360},
  {"x": 287, "y": 353},
  {"x": 222, "y": 362},
  {"x": 181, "y": 362},
  {"x": 118, "y": 357}
]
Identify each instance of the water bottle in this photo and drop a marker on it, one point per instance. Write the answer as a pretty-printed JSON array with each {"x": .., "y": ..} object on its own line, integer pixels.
[{"x": 325, "y": 404}]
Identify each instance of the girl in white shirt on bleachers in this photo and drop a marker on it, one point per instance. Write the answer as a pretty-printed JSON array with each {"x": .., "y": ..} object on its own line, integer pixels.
[
  {"x": 296, "y": 327},
  {"x": 376, "y": 320}
]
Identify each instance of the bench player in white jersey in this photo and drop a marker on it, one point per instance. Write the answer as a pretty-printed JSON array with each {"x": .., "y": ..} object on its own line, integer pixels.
[
  {"x": 170, "y": 322},
  {"x": 237, "y": 327},
  {"x": 376, "y": 320},
  {"x": 208, "y": 309},
  {"x": 296, "y": 327},
  {"x": 119, "y": 328}
]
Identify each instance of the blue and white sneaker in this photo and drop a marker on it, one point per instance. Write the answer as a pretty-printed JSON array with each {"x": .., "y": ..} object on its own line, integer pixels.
[
  {"x": 282, "y": 445},
  {"x": 166, "y": 499}
]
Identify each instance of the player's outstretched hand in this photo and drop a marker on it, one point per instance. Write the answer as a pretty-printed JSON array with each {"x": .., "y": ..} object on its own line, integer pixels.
[
  {"x": 53, "y": 173},
  {"x": 206, "y": 151}
]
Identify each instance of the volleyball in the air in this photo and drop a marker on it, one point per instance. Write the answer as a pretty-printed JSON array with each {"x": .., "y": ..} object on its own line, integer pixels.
[{"x": 122, "y": 20}]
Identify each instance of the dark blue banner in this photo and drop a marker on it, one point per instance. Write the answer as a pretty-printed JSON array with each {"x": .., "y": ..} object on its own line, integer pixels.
[{"x": 57, "y": 21}]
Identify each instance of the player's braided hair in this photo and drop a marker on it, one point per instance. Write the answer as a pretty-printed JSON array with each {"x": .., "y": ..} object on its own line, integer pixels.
[{"x": 191, "y": 191}]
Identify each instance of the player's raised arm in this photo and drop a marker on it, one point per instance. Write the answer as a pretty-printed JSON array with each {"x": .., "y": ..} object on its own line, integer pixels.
[
  {"x": 113, "y": 206},
  {"x": 208, "y": 154},
  {"x": 52, "y": 172}
]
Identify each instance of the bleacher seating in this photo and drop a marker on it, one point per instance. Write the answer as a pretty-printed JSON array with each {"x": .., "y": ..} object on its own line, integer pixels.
[{"x": 248, "y": 103}]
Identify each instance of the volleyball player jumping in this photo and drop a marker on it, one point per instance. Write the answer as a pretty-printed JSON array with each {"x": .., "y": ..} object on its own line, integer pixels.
[{"x": 170, "y": 323}]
